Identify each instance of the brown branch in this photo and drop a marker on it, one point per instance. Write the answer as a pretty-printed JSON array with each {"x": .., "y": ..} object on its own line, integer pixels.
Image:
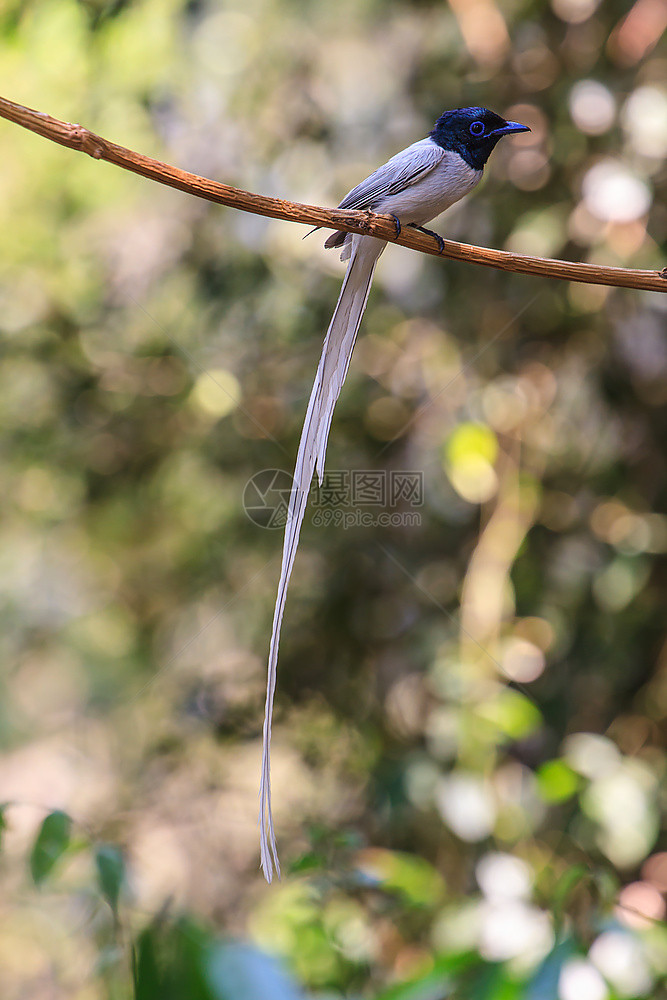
[{"x": 365, "y": 223}]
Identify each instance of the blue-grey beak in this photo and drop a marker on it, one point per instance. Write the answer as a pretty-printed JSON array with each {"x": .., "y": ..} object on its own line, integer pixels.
[{"x": 510, "y": 127}]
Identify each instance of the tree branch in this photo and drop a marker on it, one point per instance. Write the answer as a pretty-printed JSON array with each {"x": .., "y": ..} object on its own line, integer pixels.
[{"x": 364, "y": 223}]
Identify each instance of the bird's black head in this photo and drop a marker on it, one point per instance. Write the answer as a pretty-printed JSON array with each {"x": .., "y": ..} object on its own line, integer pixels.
[{"x": 472, "y": 133}]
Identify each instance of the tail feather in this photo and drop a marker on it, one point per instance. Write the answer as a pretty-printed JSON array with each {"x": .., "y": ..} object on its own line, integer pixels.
[
  {"x": 331, "y": 371},
  {"x": 336, "y": 239}
]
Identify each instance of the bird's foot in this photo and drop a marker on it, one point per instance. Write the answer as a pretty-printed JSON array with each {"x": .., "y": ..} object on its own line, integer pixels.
[
  {"x": 397, "y": 223},
  {"x": 429, "y": 232}
]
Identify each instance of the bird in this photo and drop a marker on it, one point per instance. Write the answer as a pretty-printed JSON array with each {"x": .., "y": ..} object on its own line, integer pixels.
[{"x": 414, "y": 186}]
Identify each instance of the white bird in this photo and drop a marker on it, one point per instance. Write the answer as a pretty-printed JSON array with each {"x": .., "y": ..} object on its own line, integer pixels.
[{"x": 414, "y": 186}]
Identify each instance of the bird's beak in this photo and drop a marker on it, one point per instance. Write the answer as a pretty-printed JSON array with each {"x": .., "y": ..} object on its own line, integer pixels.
[{"x": 510, "y": 127}]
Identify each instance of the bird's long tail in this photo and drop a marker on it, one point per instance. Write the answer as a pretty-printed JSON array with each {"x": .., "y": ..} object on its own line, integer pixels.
[{"x": 332, "y": 369}]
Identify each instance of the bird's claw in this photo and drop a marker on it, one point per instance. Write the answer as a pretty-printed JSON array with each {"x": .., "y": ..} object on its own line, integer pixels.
[
  {"x": 397, "y": 223},
  {"x": 436, "y": 236}
]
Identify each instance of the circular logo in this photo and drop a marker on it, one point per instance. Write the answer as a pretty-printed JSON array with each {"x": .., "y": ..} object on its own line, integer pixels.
[{"x": 266, "y": 498}]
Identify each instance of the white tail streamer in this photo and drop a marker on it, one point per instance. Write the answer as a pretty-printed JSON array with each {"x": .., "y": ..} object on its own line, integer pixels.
[{"x": 331, "y": 371}]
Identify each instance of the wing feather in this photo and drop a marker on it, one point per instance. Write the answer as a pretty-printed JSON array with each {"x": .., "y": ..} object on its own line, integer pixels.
[{"x": 401, "y": 171}]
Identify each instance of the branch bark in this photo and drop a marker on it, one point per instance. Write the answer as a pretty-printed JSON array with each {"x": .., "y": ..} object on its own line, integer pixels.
[{"x": 367, "y": 224}]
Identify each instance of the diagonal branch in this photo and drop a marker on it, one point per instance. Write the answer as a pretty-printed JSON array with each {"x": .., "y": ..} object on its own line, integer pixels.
[{"x": 365, "y": 223}]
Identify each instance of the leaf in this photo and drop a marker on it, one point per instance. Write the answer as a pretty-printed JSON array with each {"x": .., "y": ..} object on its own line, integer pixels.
[
  {"x": 110, "y": 873},
  {"x": 412, "y": 878},
  {"x": 170, "y": 962},
  {"x": 436, "y": 984},
  {"x": 310, "y": 861},
  {"x": 3, "y": 822},
  {"x": 51, "y": 842},
  {"x": 544, "y": 984},
  {"x": 564, "y": 887},
  {"x": 495, "y": 983},
  {"x": 145, "y": 967}
]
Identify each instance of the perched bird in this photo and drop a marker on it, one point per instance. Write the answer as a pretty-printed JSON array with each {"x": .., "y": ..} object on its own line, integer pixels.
[{"x": 414, "y": 186}]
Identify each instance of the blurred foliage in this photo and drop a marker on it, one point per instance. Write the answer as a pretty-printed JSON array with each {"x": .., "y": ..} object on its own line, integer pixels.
[
  {"x": 469, "y": 739},
  {"x": 52, "y": 841}
]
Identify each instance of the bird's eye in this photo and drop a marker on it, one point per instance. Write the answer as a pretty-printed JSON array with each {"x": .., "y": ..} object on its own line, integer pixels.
[{"x": 477, "y": 128}]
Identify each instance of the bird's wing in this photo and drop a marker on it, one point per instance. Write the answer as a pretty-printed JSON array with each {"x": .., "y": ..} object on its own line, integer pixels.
[{"x": 398, "y": 173}]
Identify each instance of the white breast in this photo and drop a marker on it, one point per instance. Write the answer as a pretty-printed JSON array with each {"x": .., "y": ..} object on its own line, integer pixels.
[{"x": 449, "y": 181}]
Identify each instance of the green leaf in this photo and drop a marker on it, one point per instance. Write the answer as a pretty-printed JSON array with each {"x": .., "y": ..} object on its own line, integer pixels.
[
  {"x": 493, "y": 982},
  {"x": 51, "y": 842},
  {"x": 566, "y": 884},
  {"x": 110, "y": 873},
  {"x": 310, "y": 861},
  {"x": 436, "y": 984},
  {"x": 3, "y": 822},
  {"x": 170, "y": 962},
  {"x": 145, "y": 967},
  {"x": 411, "y": 877}
]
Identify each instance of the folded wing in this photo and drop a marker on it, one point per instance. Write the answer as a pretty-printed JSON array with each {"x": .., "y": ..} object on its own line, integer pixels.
[{"x": 398, "y": 173}]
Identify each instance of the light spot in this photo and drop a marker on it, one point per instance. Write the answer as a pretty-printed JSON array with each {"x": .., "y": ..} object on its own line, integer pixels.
[
  {"x": 621, "y": 959},
  {"x": 513, "y": 930},
  {"x": 580, "y": 980},
  {"x": 620, "y": 582},
  {"x": 640, "y": 904},
  {"x": 216, "y": 393},
  {"x": 469, "y": 456},
  {"x": 654, "y": 870},
  {"x": 502, "y": 876},
  {"x": 474, "y": 479},
  {"x": 614, "y": 194},
  {"x": 465, "y": 804},
  {"x": 529, "y": 169},
  {"x": 592, "y": 107},
  {"x": 522, "y": 661},
  {"x": 592, "y": 755},
  {"x": 623, "y": 806},
  {"x": 574, "y": 11},
  {"x": 644, "y": 119}
]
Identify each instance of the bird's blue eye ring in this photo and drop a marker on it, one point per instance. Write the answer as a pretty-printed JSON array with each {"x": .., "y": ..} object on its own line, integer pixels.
[{"x": 477, "y": 128}]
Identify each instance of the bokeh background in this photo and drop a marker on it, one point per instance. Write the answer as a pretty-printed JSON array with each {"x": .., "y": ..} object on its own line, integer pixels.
[{"x": 469, "y": 754}]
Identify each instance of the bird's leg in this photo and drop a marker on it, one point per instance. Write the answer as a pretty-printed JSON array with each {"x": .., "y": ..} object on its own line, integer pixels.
[{"x": 429, "y": 232}]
